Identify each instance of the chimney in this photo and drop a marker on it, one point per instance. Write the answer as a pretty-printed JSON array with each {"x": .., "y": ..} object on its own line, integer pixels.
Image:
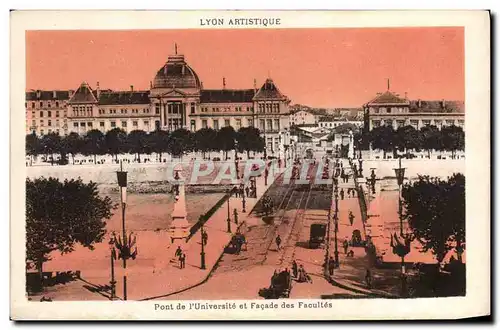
[
  {"x": 443, "y": 103},
  {"x": 131, "y": 88},
  {"x": 419, "y": 103},
  {"x": 223, "y": 83},
  {"x": 54, "y": 94},
  {"x": 98, "y": 90},
  {"x": 388, "y": 84},
  {"x": 38, "y": 94}
]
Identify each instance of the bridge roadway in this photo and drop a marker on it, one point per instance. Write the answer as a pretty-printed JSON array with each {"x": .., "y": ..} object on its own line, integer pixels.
[{"x": 241, "y": 276}]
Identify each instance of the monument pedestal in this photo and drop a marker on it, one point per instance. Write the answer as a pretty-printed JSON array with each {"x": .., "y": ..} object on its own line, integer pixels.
[{"x": 179, "y": 227}]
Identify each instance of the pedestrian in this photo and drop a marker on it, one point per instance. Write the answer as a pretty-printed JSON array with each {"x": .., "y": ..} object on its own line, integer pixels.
[
  {"x": 351, "y": 217},
  {"x": 295, "y": 269},
  {"x": 368, "y": 278},
  {"x": 178, "y": 252},
  {"x": 204, "y": 237},
  {"x": 350, "y": 254},
  {"x": 345, "y": 244},
  {"x": 342, "y": 193},
  {"x": 247, "y": 189},
  {"x": 278, "y": 241},
  {"x": 331, "y": 265},
  {"x": 182, "y": 260}
]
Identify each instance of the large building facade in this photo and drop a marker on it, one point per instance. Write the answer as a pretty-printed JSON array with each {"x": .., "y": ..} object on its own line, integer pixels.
[{"x": 176, "y": 99}]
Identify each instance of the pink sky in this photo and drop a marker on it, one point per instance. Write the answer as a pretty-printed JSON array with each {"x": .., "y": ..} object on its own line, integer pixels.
[{"x": 316, "y": 67}]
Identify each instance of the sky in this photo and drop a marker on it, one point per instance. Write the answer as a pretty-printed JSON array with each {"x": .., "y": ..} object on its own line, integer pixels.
[{"x": 315, "y": 67}]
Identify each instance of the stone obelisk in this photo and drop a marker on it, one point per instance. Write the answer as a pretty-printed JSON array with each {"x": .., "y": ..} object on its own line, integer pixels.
[
  {"x": 350, "y": 153},
  {"x": 179, "y": 227}
]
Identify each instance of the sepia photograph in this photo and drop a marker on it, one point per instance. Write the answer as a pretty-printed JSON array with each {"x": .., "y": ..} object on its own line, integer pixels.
[{"x": 278, "y": 166}]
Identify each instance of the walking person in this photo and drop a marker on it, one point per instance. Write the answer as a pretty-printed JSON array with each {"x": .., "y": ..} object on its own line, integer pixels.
[
  {"x": 368, "y": 278},
  {"x": 182, "y": 260},
  {"x": 278, "y": 242},
  {"x": 295, "y": 269},
  {"x": 345, "y": 245},
  {"x": 331, "y": 265},
  {"x": 342, "y": 193},
  {"x": 247, "y": 190},
  {"x": 178, "y": 252},
  {"x": 351, "y": 217}
]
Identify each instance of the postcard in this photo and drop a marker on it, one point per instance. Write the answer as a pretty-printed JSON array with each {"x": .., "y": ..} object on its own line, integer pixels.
[{"x": 250, "y": 165}]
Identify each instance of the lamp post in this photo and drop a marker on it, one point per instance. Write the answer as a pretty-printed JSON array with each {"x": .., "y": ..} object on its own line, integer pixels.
[
  {"x": 202, "y": 253},
  {"x": 243, "y": 202},
  {"x": 122, "y": 183},
  {"x": 336, "y": 223},
  {"x": 360, "y": 169},
  {"x": 397, "y": 246},
  {"x": 228, "y": 212},
  {"x": 327, "y": 254},
  {"x": 112, "y": 283}
]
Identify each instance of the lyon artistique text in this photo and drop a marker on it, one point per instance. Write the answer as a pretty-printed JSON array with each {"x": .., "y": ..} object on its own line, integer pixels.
[{"x": 240, "y": 21}]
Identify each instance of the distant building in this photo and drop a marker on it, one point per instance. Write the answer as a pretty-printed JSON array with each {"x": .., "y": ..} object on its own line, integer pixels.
[
  {"x": 303, "y": 117},
  {"x": 390, "y": 109},
  {"x": 332, "y": 122}
]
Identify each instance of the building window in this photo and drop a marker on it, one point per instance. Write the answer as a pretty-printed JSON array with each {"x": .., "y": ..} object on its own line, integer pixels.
[
  {"x": 33, "y": 105},
  {"x": 135, "y": 123},
  {"x": 193, "y": 125},
  {"x": 227, "y": 123},
  {"x": 113, "y": 124},
  {"x": 33, "y": 123},
  {"x": 216, "y": 124},
  {"x": 157, "y": 108},
  {"x": 82, "y": 124},
  {"x": 41, "y": 104},
  {"x": 204, "y": 123},
  {"x": 49, "y": 113},
  {"x": 41, "y": 114},
  {"x": 192, "y": 108},
  {"x": 75, "y": 124},
  {"x": 101, "y": 124},
  {"x": 269, "y": 124},
  {"x": 48, "y": 104},
  {"x": 146, "y": 123},
  {"x": 238, "y": 124},
  {"x": 426, "y": 122},
  {"x": 389, "y": 110},
  {"x": 414, "y": 123},
  {"x": 277, "y": 124},
  {"x": 57, "y": 104},
  {"x": 376, "y": 123},
  {"x": 89, "y": 124},
  {"x": 57, "y": 114},
  {"x": 262, "y": 124},
  {"x": 124, "y": 123},
  {"x": 57, "y": 122},
  {"x": 250, "y": 122},
  {"x": 33, "y": 115}
]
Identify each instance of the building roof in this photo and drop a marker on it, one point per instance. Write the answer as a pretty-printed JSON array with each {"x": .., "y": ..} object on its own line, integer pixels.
[
  {"x": 128, "y": 97},
  {"x": 269, "y": 91},
  {"x": 437, "y": 106},
  {"x": 226, "y": 95},
  {"x": 39, "y": 95},
  {"x": 83, "y": 94},
  {"x": 176, "y": 73},
  {"x": 387, "y": 98}
]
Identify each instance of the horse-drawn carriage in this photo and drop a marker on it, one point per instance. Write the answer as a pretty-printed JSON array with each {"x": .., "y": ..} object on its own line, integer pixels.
[
  {"x": 236, "y": 243},
  {"x": 281, "y": 285}
]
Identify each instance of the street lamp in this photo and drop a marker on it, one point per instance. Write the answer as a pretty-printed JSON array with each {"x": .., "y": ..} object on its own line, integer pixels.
[
  {"x": 360, "y": 169},
  {"x": 228, "y": 212},
  {"x": 336, "y": 223},
  {"x": 400, "y": 248},
  {"x": 112, "y": 251},
  {"x": 202, "y": 253},
  {"x": 243, "y": 201}
]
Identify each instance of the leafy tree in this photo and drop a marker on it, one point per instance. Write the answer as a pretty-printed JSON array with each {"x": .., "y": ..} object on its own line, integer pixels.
[
  {"x": 32, "y": 145},
  {"x": 431, "y": 138},
  {"x": 435, "y": 210},
  {"x": 60, "y": 215},
  {"x": 205, "y": 140},
  {"x": 249, "y": 139},
  {"x": 226, "y": 139},
  {"x": 408, "y": 138},
  {"x": 453, "y": 139},
  {"x": 94, "y": 143},
  {"x": 159, "y": 141},
  {"x": 180, "y": 142},
  {"x": 116, "y": 140},
  {"x": 51, "y": 144},
  {"x": 73, "y": 144},
  {"x": 137, "y": 142},
  {"x": 383, "y": 138}
]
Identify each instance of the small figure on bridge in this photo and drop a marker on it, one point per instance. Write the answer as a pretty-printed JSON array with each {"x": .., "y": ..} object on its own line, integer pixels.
[
  {"x": 178, "y": 252},
  {"x": 303, "y": 276},
  {"x": 368, "y": 278},
  {"x": 345, "y": 244},
  {"x": 247, "y": 190},
  {"x": 182, "y": 260},
  {"x": 204, "y": 237},
  {"x": 350, "y": 254},
  {"x": 295, "y": 269},
  {"x": 331, "y": 265},
  {"x": 351, "y": 217},
  {"x": 278, "y": 242},
  {"x": 235, "y": 212},
  {"x": 342, "y": 193}
]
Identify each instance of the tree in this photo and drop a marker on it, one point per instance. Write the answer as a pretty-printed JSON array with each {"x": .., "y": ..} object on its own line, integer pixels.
[
  {"x": 180, "y": 142},
  {"x": 32, "y": 145},
  {"x": 431, "y": 138},
  {"x": 205, "y": 140},
  {"x": 60, "y": 215},
  {"x": 73, "y": 144},
  {"x": 435, "y": 210},
  {"x": 408, "y": 138},
  {"x": 226, "y": 139},
  {"x": 94, "y": 143},
  {"x": 383, "y": 138},
  {"x": 159, "y": 141},
  {"x": 453, "y": 139},
  {"x": 249, "y": 139},
  {"x": 51, "y": 144},
  {"x": 116, "y": 140},
  {"x": 137, "y": 142}
]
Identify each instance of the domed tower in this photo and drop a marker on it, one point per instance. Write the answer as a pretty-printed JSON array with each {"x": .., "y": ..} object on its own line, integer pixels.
[{"x": 175, "y": 94}]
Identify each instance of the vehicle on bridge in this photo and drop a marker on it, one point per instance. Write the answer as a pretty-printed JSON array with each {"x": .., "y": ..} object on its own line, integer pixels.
[
  {"x": 281, "y": 285},
  {"x": 317, "y": 235}
]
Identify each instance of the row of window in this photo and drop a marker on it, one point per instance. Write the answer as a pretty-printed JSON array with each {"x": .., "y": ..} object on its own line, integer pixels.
[
  {"x": 389, "y": 110},
  {"x": 135, "y": 123},
  {"x": 269, "y": 108},
  {"x": 49, "y": 114},
  {"x": 42, "y": 105},
  {"x": 49, "y": 122},
  {"x": 227, "y": 122},
  {"x": 122, "y": 111},
  {"x": 267, "y": 124},
  {"x": 415, "y": 122}
]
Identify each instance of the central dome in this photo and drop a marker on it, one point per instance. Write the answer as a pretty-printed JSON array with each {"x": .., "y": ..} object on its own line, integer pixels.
[{"x": 176, "y": 74}]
